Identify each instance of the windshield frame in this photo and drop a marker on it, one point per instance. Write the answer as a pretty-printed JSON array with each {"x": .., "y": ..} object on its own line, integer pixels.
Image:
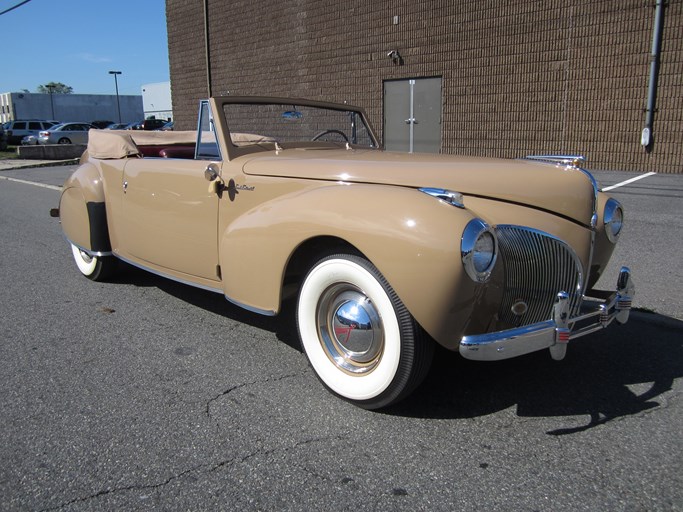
[{"x": 233, "y": 151}]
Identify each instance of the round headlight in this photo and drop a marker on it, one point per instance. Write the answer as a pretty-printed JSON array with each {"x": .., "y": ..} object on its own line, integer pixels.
[
  {"x": 614, "y": 219},
  {"x": 479, "y": 249}
]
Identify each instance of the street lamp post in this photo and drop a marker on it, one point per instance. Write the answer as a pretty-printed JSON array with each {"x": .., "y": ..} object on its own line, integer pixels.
[
  {"x": 116, "y": 84},
  {"x": 51, "y": 89}
]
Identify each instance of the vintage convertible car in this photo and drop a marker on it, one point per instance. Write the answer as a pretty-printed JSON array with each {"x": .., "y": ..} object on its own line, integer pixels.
[{"x": 385, "y": 252}]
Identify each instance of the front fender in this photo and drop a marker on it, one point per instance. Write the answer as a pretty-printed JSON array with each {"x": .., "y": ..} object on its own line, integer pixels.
[
  {"x": 82, "y": 210},
  {"x": 412, "y": 238}
]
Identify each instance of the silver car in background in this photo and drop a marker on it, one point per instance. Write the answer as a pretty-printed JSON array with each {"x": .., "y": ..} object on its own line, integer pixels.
[{"x": 65, "y": 133}]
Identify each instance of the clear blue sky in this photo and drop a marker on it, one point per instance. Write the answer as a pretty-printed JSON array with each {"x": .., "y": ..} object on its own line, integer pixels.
[{"x": 77, "y": 42}]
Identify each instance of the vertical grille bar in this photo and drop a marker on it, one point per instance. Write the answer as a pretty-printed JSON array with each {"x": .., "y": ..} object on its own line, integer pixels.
[{"x": 537, "y": 266}]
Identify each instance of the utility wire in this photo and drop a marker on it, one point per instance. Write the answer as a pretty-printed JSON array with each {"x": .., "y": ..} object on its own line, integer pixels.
[{"x": 12, "y": 8}]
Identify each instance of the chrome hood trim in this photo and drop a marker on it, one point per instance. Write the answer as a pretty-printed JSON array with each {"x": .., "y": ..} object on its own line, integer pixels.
[{"x": 564, "y": 190}]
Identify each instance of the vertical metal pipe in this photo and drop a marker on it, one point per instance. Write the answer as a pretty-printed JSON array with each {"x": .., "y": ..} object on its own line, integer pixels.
[
  {"x": 207, "y": 49},
  {"x": 411, "y": 133},
  {"x": 647, "y": 140}
]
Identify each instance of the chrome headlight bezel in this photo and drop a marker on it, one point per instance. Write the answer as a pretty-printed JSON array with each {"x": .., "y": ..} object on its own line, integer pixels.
[
  {"x": 613, "y": 218},
  {"x": 478, "y": 264}
]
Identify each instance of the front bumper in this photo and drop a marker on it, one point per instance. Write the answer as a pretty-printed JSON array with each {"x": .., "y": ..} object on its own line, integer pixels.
[{"x": 559, "y": 330}]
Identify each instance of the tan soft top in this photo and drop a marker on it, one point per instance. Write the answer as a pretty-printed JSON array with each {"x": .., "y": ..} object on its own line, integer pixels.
[
  {"x": 111, "y": 144},
  {"x": 114, "y": 144}
]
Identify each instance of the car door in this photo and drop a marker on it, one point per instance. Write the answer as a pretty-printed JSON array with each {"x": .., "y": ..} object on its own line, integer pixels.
[
  {"x": 80, "y": 134},
  {"x": 169, "y": 217}
]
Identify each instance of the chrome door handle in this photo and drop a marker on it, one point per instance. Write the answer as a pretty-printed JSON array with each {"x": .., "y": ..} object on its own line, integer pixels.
[{"x": 211, "y": 172}]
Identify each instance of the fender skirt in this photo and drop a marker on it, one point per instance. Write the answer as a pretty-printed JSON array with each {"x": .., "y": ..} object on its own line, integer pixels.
[{"x": 99, "y": 234}]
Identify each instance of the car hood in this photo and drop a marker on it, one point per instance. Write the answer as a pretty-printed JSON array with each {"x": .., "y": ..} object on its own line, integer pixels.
[{"x": 565, "y": 191}]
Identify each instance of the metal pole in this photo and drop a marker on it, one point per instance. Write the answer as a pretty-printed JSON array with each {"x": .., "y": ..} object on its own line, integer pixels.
[
  {"x": 50, "y": 88},
  {"x": 412, "y": 116},
  {"x": 116, "y": 84},
  {"x": 646, "y": 138},
  {"x": 207, "y": 49}
]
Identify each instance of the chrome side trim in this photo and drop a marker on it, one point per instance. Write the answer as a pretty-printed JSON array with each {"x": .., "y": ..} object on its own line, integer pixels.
[
  {"x": 195, "y": 285},
  {"x": 266, "y": 312},
  {"x": 89, "y": 252},
  {"x": 168, "y": 276},
  {"x": 556, "y": 332}
]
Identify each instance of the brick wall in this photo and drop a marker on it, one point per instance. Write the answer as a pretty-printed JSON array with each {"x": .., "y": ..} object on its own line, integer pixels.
[{"x": 518, "y": 77}]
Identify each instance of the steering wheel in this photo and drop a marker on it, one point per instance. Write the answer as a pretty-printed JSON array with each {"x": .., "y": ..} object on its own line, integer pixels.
[{"x": 327, "y": 132}]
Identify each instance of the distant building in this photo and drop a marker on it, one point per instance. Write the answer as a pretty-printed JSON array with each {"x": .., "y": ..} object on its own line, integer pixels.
[
  {"x": 70, "y": 107},
  {"x": 156, "y": 101}
]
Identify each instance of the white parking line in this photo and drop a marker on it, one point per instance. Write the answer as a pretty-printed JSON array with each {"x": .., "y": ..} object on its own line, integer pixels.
[
  {"x": 43, "y": 185},
  {"x": 629, "y": 181}
]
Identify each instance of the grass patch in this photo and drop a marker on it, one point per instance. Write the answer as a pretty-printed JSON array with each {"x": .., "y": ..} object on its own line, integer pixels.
[{"x": 10, "y": 152}]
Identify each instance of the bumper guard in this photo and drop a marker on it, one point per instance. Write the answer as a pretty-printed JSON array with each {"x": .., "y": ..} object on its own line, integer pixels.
[{"x": 555, "y": 333}]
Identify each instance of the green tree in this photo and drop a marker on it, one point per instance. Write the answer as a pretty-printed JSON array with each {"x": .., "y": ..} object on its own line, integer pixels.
[{"x": 57, "y": 88}]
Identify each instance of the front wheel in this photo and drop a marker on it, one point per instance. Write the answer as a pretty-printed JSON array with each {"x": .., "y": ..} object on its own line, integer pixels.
[
  {"x": 361, "y": 340},
  {"x": 96, "y": 268}
]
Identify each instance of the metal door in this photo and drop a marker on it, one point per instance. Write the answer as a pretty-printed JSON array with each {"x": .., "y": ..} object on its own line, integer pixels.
[{"x": 412, "y": 115}]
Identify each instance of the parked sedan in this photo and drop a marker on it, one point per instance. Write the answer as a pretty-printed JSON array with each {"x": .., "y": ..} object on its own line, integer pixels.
[{"x": 65, "y": 133}]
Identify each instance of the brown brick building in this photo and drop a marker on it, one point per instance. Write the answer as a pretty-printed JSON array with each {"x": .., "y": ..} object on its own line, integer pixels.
[{"x": 508, "y": 78}]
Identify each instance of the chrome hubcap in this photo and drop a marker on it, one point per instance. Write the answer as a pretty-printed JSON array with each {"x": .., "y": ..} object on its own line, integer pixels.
[{"x": 350, "y": 329}]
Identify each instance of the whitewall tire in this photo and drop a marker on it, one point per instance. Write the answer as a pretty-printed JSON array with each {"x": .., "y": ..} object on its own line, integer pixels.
[
  {"x": 360, "y": 339},
  {"x": 96, "y": 268}
]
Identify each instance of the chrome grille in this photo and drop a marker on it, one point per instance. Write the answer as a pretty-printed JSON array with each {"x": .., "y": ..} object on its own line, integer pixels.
[{"x": 537, "y": 266}]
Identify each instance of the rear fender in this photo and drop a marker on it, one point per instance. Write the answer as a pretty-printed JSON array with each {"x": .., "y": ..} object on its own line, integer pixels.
[{"x": 82, "y": 211}]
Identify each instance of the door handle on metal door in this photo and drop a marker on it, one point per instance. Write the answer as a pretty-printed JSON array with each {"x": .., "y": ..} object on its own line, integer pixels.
[{"x": 412, "y": 120}]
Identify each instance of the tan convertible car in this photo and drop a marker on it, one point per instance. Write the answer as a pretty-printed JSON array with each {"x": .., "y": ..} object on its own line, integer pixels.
[{"x": 386, "y": 253}]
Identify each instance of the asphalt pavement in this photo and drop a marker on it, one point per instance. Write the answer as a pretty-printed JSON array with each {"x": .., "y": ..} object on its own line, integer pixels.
[{"x": 145, "y": 394}]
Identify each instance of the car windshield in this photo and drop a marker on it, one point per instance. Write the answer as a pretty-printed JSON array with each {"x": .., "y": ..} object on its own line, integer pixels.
[{"x": 262, "y": 123}]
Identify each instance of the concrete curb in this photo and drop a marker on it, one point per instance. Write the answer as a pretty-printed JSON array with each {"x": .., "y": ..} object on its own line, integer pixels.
[
  {"x": 13, "y": 164},
  {"x": 50, "y": 151}
]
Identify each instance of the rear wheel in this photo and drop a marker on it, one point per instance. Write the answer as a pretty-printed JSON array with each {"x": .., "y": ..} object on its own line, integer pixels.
[
  {"x": 361, "y": 340},
  {"x": 96, "y": 268},
  {"x": 64, "y": 140}
]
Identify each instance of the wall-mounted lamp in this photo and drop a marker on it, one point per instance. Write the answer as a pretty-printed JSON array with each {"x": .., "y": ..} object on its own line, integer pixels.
[{"x": 395, "y": 57}]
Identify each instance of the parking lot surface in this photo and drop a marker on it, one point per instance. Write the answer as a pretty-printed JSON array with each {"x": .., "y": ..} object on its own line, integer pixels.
[{"x": 144, "y": 394}]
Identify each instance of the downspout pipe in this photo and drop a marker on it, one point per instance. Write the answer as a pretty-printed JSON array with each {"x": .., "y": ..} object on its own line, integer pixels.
[
  {"x": 207, "y": 49},
  {"x": 647, "y": 138}
]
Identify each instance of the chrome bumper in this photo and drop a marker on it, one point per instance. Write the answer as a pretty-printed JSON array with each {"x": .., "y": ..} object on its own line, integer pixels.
[{"x": 559, "y": 330}]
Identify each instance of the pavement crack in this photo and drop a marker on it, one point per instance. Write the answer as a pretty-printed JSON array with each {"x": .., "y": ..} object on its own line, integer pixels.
[
  {"x": 114, "y": 490},
  {"x": 228, "y": 391},
  {"x": 265, "y": 452}
]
